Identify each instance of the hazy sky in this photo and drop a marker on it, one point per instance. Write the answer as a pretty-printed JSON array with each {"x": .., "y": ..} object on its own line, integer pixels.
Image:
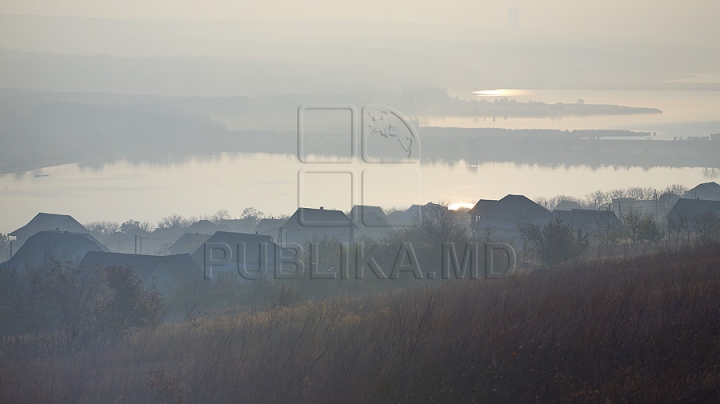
[{"x": 688, "y": 22}]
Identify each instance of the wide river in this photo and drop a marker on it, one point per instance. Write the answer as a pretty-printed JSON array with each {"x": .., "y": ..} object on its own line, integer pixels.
[{"x": 117, "y": 189}]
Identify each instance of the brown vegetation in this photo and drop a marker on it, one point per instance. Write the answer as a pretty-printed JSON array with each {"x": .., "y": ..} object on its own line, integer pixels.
[{"x": 643, "y": 329}]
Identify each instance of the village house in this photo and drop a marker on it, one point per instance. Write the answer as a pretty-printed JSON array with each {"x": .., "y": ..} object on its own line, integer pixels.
[
  {"x": 188, "y": 243},
  {"x": 371, "y": 222},
  {"x": 566, "y": 205},
  {"x": 164, "y": 273},
  {"x": 413, "y": 214},
  {"x": 270, "y": 227},
  {"x": 206, "y": 227},
  {"x": 708, "y": 191},
  {"x": 695, "y": 215},
  {"x": 600, "y": 225},
  {"x": 504, "y": 218},
  {"x": 308, "y": 224},
  {"x": 45, "y": 247},
  {"x": 45, "y": 221},
  {"x": 245, "y": 253},
  {"x": 246, "y": 225}
]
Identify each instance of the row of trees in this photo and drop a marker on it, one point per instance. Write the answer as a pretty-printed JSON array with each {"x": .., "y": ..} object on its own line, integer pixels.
[
  {"x": 109, "y": 227},
  {"x": 598, "y": 198},
  {"x": 172, "y": 221},
  {"x": 556, "y": 242}
]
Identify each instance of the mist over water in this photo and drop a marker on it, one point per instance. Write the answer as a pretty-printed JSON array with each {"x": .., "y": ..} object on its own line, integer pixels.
[
  {"x": 684, "y": 113},
  {"x": 119, "y": 190},
  {"x": 377, "y": 201}
]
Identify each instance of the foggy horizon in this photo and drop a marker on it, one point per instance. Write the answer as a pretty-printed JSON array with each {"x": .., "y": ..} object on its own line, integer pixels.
[
  {"x": 688, "y": 23},
  {"x": 380, "y": 201}
]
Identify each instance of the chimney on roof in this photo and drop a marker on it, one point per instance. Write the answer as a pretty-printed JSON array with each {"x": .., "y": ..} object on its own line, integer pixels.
[{"x": 322, "y": 208}]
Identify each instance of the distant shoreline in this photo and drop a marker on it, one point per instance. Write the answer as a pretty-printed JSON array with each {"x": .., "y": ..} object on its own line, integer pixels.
[{"x": 548, "y": 148}]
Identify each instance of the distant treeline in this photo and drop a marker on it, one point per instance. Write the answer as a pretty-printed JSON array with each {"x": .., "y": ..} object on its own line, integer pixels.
[
  {"x": 279, "y": 110},
  {"x": 41, "y": 131},
  {"x": 554, "y": 148}
]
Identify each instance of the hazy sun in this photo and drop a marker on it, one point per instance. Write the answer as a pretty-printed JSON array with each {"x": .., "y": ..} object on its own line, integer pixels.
[
  {"x": 503, "y": 92},
  {"x": 460, "y": 205}
]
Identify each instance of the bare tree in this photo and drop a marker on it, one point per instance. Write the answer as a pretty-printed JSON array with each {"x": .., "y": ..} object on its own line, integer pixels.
[
  {"x": 438, "y": 225},
  {"x": 552, "y": 203},
  {"x": 103, "y": 227},
  {"x": 252, "y": 213},
  {"x": 607, "y": 231},
  {"x": 68, "y": 309},
  {"x": 597, "y": 198},
  {"x": 680, "y": 227},
  {"x": 554, "y": 242},
  {"x": 706, "y": 228},
  {"x": 133, "y": 225},
  {"x": 174, "y": 221},
  {"x": 640, "y": 227},
  {"x": 218, "y": 217}
]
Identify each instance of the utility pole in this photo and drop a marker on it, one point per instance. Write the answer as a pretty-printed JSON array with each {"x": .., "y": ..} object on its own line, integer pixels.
[
  {"x": 140, "y": 244},
  {"x": 136, "y": 244}
]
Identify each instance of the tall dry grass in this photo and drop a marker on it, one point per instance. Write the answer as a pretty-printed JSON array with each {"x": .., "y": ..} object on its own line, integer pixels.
[{"x": 643, "y": 329}]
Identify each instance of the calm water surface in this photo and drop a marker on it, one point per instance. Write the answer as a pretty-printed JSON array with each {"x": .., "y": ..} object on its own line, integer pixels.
[{"x": 120, "y": 190}]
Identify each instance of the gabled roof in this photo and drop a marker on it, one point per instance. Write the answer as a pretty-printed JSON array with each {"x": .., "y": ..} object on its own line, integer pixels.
[
  {"x": 168, "y": 232},
  {"x": 182, "y": 266},
  {"x": 371, "y": 220},
  {"x": 49, "y": 221},
  {"x": 234, "y": 238},
  {"x": 269, "y": 225},
  {"x": 582, "y": 217},
  {"x": 693, "y": 207},
  {"x": 709, "y": 191},
  {"x": 358, "y": 210},
  {"x": 44, "y": 246},
  {"x": 511, "y": 207},
  {"x": 206, "y": 227},
  {"x": 414, "y": 212},
  {"x": 188, "y": 243},
  {"x": 371, "y": 216},
  {"x": 246, "y": 225},
  {"x": 305, "y": 218},
  {"x": 251, "y": 242},
  {"x": 567, "y": 205}
]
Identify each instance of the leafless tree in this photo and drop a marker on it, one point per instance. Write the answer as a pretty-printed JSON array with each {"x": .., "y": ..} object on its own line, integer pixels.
[
  {"x": 174, "y": 221},
  {"x": 640, "y": 227},
  {"x": 103, "y": 227},
  {"x": 705, "y": 227},
  {"x": 252, "y": 213},
  {"x": 438, "y": 225}
]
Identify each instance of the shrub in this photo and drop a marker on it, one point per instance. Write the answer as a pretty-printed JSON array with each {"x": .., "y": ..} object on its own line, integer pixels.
[
  {"x": 554, "y": 242},
  {"x": 66, "y": 310}
]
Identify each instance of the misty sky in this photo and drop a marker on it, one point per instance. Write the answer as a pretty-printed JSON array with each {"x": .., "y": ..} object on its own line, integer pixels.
[{"x": 692, "y": 22}]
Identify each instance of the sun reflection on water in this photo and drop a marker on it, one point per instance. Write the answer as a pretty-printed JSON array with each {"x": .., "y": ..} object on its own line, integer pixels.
[{"x": 502, "y": 92}]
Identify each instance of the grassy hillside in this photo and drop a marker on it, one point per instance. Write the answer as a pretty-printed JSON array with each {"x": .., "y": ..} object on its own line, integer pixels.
[{"x": 645, "y": 329}]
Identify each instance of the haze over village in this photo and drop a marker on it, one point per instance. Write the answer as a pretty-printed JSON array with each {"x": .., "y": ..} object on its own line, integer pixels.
[{"x": 322, "y": 202}]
